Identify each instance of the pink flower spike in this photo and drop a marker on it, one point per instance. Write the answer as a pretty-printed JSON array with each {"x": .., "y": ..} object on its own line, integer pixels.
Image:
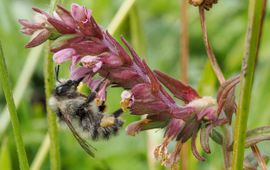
[
  {"x": 63, "y": 55},
  {"x": 80, "y": 13},
  {"x": 91, "y": 62}
]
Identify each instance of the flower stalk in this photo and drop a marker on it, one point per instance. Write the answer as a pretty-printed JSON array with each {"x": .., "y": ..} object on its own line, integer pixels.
[
  {"x": 49, "y": 86},
  {"x": 184, "y": 58},
  {"x": 4, "y": 79},
  {"x": 253, "y": 37}
]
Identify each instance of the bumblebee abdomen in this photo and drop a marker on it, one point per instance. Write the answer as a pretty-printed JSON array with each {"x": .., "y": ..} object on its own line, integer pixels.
[{"x": 92, "y": 124}]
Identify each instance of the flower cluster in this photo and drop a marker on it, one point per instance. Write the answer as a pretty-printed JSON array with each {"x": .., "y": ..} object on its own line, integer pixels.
[
  {"x": 206, "y": 4},
  {"x": 95, "y": 55}
]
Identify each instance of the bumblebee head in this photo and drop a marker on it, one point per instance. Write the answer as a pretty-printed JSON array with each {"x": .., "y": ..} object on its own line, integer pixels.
[{"x": 67, "y": 88}]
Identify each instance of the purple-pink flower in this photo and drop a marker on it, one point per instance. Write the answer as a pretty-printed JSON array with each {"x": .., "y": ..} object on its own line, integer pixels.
[{"x": 97, "y": 57}]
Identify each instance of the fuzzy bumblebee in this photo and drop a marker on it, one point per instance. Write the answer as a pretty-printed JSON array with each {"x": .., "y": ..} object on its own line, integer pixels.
[{"x": 82, "y": 115}]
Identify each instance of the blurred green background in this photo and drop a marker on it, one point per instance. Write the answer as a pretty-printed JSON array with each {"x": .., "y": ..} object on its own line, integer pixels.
[{"x": 158, "y": 34}]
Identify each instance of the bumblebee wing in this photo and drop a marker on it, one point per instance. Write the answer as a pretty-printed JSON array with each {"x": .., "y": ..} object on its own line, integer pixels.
[{"x": 84, "y": 144}]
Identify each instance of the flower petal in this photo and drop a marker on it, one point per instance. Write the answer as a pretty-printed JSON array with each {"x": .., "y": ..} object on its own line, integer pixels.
[
  {"x": 80, "y": 73},
  {"x": 193, "y": 145},
  {"x": 38, "y": 38},
  {"x": 80, "y": 13},
  {"x": 179, "y": 89},
  {"x": 63, "y": 55},
  {"x": 65, "y": 16},
  {"x": 60, "y": 26}
]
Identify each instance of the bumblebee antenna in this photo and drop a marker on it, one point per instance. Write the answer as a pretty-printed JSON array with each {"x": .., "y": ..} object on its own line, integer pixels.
[{"x": 56, "y": 69}]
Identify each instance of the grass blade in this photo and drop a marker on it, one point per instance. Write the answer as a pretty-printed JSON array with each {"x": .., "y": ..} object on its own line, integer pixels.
[
  {"x": 120, "y": 16},
  {"x": 13, "y": 113},
  {"x": 22, "y": 83},
  {"x": 255, "y": 22},
  {"x": 41, "y": 154}
]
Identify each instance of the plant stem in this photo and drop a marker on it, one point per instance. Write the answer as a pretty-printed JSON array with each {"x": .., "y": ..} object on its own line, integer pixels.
[
  {"x": 209, "y": 50},
  {"x": 49, "y": 86},
  {"x": 259, "y": 157},
  {"x": 184, "y": 41},
  {"x": 13, "y": 113},
  {"x": 255, "y": 22},
  {"x": 216, "y": 68},
  {"x": 53, "y": 129},
  {"x": 183, "y": 58}
]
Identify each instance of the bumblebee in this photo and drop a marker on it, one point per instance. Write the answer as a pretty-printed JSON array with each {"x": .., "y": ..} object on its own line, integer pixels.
[{"x": 82, "y": 115}]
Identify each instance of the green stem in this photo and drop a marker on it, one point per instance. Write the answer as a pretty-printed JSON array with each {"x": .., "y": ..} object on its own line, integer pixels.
[
  {"x": 13, "y": 113},
  {"x": 52, "y": 124},
  {"x": 49, "y": 86},
  {"x": 255, "y": 22}
]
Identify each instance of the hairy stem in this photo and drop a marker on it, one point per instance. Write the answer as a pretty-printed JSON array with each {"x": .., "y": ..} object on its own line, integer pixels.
[
  {"x": 53, "y": 129},
  {"x": 4, "y": 79},
  {"x": 49, "y": 86},
  {"x": 221, "y": 79},
  {"x": 253, "y": 37}
]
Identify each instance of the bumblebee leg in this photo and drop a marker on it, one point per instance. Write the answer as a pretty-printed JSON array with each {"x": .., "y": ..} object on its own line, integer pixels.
[
  {"x": 117, "y": 113},
  {"x": 93, "y": 94},
  {"x": 91, "y": 97},
  {"x": 102, "y": 107}
]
